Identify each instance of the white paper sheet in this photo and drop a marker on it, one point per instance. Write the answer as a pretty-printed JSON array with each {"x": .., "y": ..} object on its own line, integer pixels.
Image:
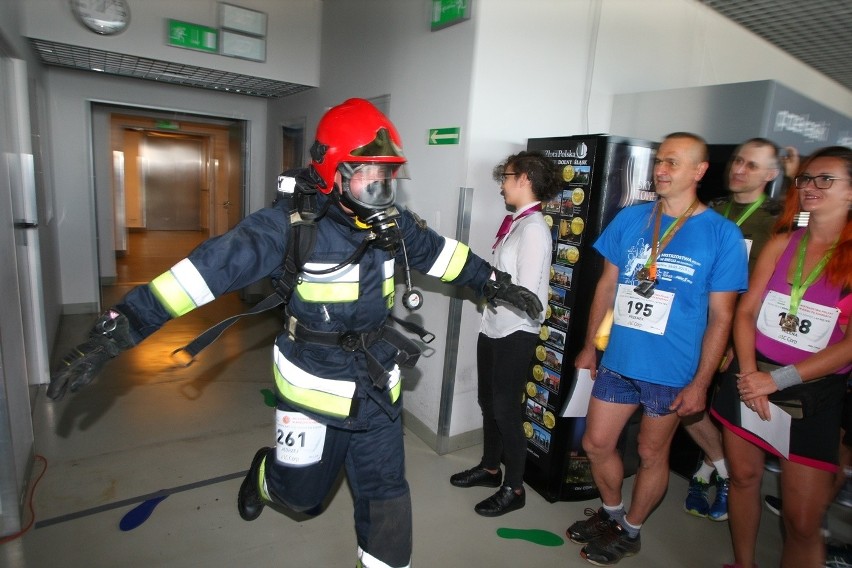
[
  {"x": 776, "y": 430},
  {"x": 578, "y": 404}
]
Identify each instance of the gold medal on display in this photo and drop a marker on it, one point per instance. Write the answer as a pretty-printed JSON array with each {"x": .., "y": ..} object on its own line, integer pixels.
[{"x": 789, "y": 323}]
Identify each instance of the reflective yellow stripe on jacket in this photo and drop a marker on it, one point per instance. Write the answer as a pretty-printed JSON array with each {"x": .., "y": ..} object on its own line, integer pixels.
[
  {"x": 325, "y": 396},
  {"x": 181, "y": 289},
  {"x": 340, "y": 285},
  {"x": 451, "y": 261}
]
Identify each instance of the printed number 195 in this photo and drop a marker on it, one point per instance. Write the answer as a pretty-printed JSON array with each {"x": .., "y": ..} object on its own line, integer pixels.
[{"x": 640, "y": 308}]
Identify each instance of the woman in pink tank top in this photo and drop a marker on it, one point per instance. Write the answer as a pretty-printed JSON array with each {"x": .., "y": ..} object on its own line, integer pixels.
[{"x": 791, "y": 329}]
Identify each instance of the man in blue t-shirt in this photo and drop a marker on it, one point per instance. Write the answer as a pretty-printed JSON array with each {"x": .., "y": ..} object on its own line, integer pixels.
[{"x": 672, "y": 273}]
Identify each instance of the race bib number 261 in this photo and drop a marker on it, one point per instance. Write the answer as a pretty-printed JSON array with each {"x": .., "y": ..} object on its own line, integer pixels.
[{"x": 299, "y": 439}]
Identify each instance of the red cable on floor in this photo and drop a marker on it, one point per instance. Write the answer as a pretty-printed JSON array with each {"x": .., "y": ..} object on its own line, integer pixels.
[{"x": 20, "y": 533}]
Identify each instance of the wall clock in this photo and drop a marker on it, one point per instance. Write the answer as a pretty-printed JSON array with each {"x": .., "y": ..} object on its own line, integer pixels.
[{"x": 105, "y": 17}]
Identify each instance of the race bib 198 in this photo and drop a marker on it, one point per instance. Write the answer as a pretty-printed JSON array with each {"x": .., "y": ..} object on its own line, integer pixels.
[{"x": 814, "y": 327}]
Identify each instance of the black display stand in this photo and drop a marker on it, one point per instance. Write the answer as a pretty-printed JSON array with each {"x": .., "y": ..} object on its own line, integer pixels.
[{"x": 601, "y": 174}]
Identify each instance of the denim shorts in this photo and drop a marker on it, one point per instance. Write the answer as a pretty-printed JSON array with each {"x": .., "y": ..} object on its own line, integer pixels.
[{"x": 655, "y": 399}]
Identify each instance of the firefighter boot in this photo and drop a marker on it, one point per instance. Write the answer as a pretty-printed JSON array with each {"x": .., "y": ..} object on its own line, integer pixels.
[{"x": 249, "y": 501}]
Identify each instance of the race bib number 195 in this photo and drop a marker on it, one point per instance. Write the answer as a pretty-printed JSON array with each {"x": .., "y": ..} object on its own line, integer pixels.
[
  {"x": 299, "y": 439},
  {"x": 650, "y": 315}
]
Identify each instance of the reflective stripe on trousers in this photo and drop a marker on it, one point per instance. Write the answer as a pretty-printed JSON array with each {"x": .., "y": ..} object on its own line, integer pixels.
[{"x": 367, "y": 561}]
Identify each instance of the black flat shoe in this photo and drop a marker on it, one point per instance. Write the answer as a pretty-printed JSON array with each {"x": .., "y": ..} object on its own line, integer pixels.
[
  {"x": 477, "y": 477},
  {"x": 249, "y": 502},
  {"x": 502, "y": 502}
]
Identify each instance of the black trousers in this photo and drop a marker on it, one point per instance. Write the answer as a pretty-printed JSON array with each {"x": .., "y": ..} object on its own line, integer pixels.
[
  {"x": 374, "y": 460},
  {"x": 503, "y": 368}
]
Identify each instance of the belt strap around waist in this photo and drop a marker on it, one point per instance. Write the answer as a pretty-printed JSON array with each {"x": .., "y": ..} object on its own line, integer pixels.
[
  {"x": 349, "y": 341},
  {"x": 407, "y": 352}
]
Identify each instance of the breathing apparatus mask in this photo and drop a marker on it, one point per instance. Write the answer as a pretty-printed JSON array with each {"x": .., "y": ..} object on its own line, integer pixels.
[{"x": 369, "y": 190}]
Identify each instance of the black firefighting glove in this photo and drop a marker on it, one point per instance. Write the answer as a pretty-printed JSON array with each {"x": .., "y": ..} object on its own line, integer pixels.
[
  {"x": 501, "y": 288},
  {"x": 109, "y": 337}
]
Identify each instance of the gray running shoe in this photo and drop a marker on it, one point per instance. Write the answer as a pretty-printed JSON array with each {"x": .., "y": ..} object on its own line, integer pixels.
[
  {"x": 582, "y": 532},
  {"x": 611, "y": 547}
]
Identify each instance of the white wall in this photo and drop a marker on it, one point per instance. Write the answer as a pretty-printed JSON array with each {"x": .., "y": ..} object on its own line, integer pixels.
[
  {"x": 71, "y": 93},
  {"x": 292, "y": 35}
]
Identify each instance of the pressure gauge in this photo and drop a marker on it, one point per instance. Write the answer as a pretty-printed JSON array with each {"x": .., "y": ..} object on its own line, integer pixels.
[{"x": 412, "y": 299}]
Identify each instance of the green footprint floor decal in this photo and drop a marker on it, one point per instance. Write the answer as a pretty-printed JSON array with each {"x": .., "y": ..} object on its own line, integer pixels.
[{"x": 537, "y": 536}]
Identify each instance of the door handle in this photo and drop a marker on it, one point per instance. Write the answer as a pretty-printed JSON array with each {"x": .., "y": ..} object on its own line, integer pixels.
[{"x": 227, "y": 204}]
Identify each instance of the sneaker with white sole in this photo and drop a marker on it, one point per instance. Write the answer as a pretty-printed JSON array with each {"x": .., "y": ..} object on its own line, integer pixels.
[
  {"x": 696, "y": 502},
  {"x": 611, "y": 547},
  {"x": 583, "y": 532},
  {"x": 719, "y": 509}
]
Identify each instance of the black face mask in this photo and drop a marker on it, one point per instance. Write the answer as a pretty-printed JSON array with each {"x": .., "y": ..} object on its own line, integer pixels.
[
  {"x": 387, "y": 233},
  {"x": 381, "y": 223}
]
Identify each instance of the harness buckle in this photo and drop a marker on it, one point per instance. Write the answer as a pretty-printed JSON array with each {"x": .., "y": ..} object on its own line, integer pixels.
[{"x": 349, "y": 341}]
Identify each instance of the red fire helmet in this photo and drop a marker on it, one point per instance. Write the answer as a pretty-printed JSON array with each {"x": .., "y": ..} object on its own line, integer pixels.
[{"x": 354, "y": 131}]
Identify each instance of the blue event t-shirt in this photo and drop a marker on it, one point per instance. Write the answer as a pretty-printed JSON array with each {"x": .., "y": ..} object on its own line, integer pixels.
[{"x": 706, "y": 255}]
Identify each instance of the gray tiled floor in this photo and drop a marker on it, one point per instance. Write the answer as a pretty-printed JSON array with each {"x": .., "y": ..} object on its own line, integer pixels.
[{"x": 145, "y": 426}]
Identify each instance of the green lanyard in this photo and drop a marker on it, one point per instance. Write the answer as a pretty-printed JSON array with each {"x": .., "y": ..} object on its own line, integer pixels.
[
  {"x": 797, "y": 291},
  {"x": 747, "y": 213}
]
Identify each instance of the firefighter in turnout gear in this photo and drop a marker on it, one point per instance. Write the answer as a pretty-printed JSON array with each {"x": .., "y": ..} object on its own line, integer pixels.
[{"x": 330, "y": 243}]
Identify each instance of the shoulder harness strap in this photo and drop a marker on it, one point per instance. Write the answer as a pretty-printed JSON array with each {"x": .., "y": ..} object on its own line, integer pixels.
[{"x": 303, "y": 237}]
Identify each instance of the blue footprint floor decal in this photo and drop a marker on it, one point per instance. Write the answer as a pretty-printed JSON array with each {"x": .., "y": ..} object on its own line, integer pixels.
[{"x": 139, "y": 514}]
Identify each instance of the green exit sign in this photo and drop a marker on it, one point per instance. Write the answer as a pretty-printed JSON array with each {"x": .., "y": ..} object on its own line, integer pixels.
[
  {"x": 193, "y": 36},
  {"x": 448, "y": 12},
  {"x": 442, "y": 136}
]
